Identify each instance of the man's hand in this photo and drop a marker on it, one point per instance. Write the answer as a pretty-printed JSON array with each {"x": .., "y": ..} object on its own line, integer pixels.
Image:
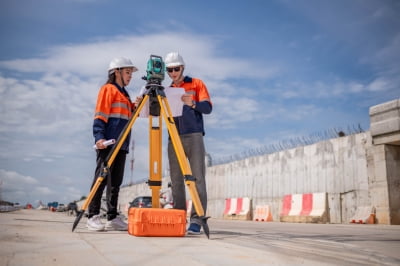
[{"x": 187, "y": 99}]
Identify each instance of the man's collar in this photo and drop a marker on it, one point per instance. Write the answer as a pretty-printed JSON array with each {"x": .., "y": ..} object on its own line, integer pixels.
[{"x": 186, "y": 79}]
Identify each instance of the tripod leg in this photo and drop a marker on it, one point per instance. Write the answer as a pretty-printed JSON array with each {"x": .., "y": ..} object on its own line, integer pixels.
[
  {"x": 183, "y": 163},
  {"x": 155, "y": 160},
  {"x": 89, "y": 198},
  {"x": 109, "y": 160}
]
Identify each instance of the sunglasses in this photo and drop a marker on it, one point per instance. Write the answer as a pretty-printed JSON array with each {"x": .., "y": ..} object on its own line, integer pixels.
[{"x": 176, "y": 69}]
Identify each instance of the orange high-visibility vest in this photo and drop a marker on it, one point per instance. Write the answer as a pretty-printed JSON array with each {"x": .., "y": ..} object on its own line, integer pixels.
[
  {"x": 112, "y": 103},
  {"x": 113, "y": 111}
]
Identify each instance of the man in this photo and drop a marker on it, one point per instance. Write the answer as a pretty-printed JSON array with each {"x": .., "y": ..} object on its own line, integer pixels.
[{"x": 190, "y": 127}]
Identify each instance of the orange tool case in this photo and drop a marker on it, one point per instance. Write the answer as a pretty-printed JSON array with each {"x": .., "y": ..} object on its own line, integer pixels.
[{"x": 156, "y": 222}]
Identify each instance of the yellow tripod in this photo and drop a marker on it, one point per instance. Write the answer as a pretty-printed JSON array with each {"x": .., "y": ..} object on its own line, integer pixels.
[{"x": 158, "y": 104}]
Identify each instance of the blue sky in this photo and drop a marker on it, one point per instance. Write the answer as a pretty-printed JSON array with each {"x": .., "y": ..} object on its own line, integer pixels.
[{"x": 276, "y": 70}]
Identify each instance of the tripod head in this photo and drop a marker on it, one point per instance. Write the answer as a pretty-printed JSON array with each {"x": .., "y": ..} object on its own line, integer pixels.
[
  {"x": 155, "y": 75},
  {"x": 155, "y": 70}
]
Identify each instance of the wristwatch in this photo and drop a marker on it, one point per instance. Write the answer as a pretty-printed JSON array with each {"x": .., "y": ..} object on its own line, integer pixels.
[{"x": 193, "y": 104}]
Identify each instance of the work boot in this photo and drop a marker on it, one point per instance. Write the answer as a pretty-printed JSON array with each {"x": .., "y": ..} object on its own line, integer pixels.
[
  {"x": 117, "y": 224},
  {"x": 94, "y": 223}
]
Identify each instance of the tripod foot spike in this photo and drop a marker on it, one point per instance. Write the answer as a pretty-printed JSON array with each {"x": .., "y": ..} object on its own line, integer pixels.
[
  {"x": 205, "y": 226},
  {"x": 77, "y": 219}
]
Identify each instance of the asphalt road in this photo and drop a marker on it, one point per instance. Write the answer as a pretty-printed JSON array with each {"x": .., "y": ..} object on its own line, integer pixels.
[{"x": 38, "y": 237}]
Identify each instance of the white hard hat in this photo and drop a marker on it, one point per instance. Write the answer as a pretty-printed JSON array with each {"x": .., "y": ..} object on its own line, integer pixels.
[
  {"x": 174, "y": 59},
  {"x": 120, "y": 62}
]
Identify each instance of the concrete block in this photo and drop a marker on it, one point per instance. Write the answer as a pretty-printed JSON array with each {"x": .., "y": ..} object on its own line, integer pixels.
[
  {"x": 392, "y": 138},
  {"x": 381, "y": 110},
  {"x": 385, "y": 122}
]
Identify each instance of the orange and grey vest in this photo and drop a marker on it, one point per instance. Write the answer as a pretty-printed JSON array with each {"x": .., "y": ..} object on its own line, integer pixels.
[{"x": 113, "y": 110}]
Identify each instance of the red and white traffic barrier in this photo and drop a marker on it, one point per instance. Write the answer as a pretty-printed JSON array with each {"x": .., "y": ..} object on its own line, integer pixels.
[
  {"x": 237, "y": 208},
  {"x": 311, "y": 207}
]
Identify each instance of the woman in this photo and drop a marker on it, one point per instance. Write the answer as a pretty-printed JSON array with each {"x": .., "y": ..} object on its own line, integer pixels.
[{"x": 113, "y": 110}]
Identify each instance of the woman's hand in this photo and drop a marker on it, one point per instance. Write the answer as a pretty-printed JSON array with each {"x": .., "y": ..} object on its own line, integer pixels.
[
  {"x": 100, "y": 145},
  {"x": 137, "y": 101}
]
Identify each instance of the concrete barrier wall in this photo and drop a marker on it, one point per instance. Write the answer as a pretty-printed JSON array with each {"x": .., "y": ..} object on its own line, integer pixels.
[{"x": 336, "y": 166}]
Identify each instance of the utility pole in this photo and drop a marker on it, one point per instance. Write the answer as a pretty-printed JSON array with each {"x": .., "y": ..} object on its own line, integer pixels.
[
  {"x": 132, "y": 159},
  {"x": 1, "y": 186}
]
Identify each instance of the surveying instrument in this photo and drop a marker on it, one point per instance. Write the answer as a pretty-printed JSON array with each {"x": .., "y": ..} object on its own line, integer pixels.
[{"x": 158, "y": 107}]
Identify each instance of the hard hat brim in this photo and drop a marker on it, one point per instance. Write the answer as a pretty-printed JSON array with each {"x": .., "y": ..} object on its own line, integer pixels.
[
  {"x": 174, "y": 65},
  {"x": 112, "y": 70}
]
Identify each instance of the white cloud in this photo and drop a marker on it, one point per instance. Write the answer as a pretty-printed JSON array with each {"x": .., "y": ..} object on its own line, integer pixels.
[
  {"x": 90, "y": 59},
  {"x": 43, "y": 191},
  {"x": 12, "y": 179},
  {"x": 229, "y": 112},
  {"x": 14, "y": 186}
]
